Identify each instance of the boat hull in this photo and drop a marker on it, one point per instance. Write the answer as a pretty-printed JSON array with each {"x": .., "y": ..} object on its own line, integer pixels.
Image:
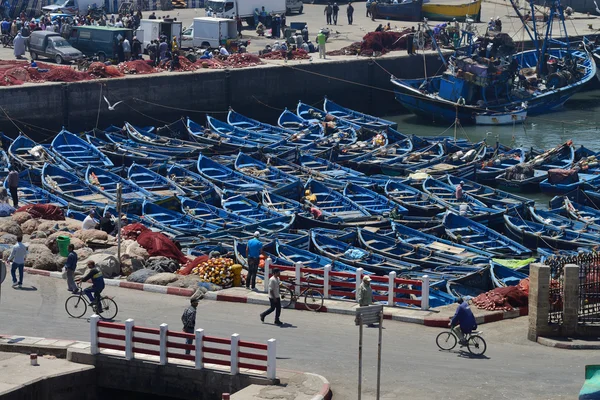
[
  {"x": 409, "y": 11},
  {"x": 448, "y": 12}
]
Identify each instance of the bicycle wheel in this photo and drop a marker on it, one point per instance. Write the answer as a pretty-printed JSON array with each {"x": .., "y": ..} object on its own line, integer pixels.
[
  {"x": 76, "y": 306},
  {"x": 476, "y": 345},
  {"x": 313, "y": 300},
  {"x": 446, "y": 340},
  {"x": 109, "y": 309},
  {"x": 286, "y": 296}
]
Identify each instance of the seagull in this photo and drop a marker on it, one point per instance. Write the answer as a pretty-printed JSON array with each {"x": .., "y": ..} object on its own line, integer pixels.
[
  {"x": 533, "y": 125},
  {"x": 111, "y": 107}
]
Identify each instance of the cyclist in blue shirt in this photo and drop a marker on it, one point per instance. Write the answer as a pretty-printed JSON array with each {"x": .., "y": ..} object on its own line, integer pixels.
[
  {"x": 95, "y": 275},
  {"x": 463, "y": 321},
  {"x": 253, "y": 250}
]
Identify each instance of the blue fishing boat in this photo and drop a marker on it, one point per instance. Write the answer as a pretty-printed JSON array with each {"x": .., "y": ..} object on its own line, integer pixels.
[
  {"x": 226, "y": 130},
  {"x": 153, "y": 182},
  {"x": 262, "y": 171},
  {"x": 241, "y": 121},
  {"x": 411, "y": 161},
  {"x": 281, "y": 204},
  {"x": 409, "y": 10},
  {"x": 193, "y": 184},
  {"x": 358, "y": 118},
  {"x": 416, "y": 202},
  {"x": 152, "y": 139},
  {"x": 32, "y": 194},
  {"x": 70, "y": 187},
  {"x": 503, "y": 276},
  {"x": 471, "y": 285},
  {"x": 471, "y": 85},
  {"x": 107, "y": 183},
  {"x": 227, "y": 178},
  {"x": 453, "y": 161},
  {"x": 488, "y": 171},
  {"x": 579, "y": 212},
  {"x": 118, "y": 138},
  {"x": 343, "y": 134},
  {"x": 534, "y": 235},
  {"x": 382, "y": 160},
  {"x": 332, "y": 172},
  {"x": 334, "y": 204},
  {"x": 464, "y": 231},
  {"x": 215, "y": 216},
  {"x": 309, "y": 112},
  {"x": 221, "y": 144},
  {"x": 493, "y": 198},
  {"x": 268, "y": 228},
  {"x": 123, "y": 155},
  {"x": 175, "y": 220},
  {"x": 357, "y": 257},
  {"x": 373, "y": 202},
  {"x": 310, "y": 260},
  {"x": 78, "y": 153},
  {"x": 527, "y": 177},
  {"x": 247, "y": 208},
  {"x": 553, "y": 218},
  {"x": 24, "y": 153},
  {"x": 565, "y": 181}
]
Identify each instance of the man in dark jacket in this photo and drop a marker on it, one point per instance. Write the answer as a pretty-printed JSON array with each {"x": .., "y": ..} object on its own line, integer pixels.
[
  {"x": 189, "y": 320},
  {"x": 136, "y": 49},
  {"x": 328, "y": 12},
  {"x": 336, "y": 10},
  {"x": 93, "y": 292},
  {"x": 463, "y": 321},
  {"x": 350, "y": 12}
]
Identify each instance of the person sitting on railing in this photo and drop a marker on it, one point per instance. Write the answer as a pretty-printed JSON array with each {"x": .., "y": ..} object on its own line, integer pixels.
[{"x": 93, "y": 292}]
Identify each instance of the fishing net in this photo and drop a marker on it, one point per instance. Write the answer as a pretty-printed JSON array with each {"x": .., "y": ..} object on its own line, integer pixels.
[
  {"x": 375, "y": 42},
  {"x": 136, "y": 67},
  {"x": 282, "y": 55},
  {"x": 505, "y": 298}
]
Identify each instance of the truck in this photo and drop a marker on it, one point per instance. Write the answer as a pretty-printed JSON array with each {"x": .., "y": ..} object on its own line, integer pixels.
[
  {"x": 208, "y": 32},
  {"x": 152, "y": 29},
  {"x": 244, "y": 8},
  {"x": 71, "y": 7}
]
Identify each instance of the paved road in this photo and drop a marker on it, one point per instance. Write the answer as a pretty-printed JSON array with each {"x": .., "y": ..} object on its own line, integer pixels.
[{"x": 412, "y": 366}]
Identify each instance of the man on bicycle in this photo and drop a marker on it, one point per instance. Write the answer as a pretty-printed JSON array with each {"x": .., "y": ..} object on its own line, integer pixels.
[
  {"x": 93, "y": 292},
  {"x": 463, "y": 321}
]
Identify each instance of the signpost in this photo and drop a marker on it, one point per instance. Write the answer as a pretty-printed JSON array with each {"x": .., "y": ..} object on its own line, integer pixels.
[
  {"x": 2, "y": 275},
  {"x": 369, "y": 315}
]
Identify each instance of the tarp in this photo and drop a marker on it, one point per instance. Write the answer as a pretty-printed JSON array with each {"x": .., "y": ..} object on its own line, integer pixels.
[
  {"x": 158, "y": 244},
  {"x": 132, "y": 231},
  {"x": 193, "y": 264},
  {"x": 43, "y": 211},
  {"x": 564, "y": 176}
]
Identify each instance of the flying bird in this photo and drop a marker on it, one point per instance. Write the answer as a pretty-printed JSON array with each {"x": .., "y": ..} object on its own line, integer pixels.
[{"x": 111, "y": 107}]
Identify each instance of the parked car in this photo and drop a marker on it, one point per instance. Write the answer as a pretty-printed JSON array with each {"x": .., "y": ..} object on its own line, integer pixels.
[
  {"x": 99, "y": 41},
  {"x": 51, "y": 45}
]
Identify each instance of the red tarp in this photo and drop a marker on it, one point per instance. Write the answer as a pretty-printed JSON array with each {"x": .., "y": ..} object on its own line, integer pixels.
[
  {"x": 44, "y": 211},
  {"x": 193, "y": 264},
  {"x": 132, "y": 231},
  {"x": 158, "y": 244}
]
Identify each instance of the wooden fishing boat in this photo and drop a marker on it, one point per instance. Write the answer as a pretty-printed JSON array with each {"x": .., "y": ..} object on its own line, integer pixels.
[
  {"x": 471, "y": 285},
  {"x": 574, "y": 181},
  {"x": 221, "y": 144},
  {"x": 309, "y": 112},
  {"x": 215, "y": 216},
  {"x": 373, "y": 202},
  {"x": 241, "y": 121},
  {"x": 193, "y": 184},
  {"x": 268, "y": 228},
  {"x": 247, "y": 208},
  {"x": 32, "y": 194},
  {"x": 358, "y": 118},
  {"x": 107, "y": 183},
  {"x": 351, "y": 255},
  {"x": 175, "y": 220},
  {"x": 527, "y": 177},
  {"x": 24, "y": 153},
  {"x": 70, "y": 187},
  {"x": 262, "y": 171},
  {"x": 227, "y": 178},
  {"x": 260, "y": 139},
  {"x": 310, "y": 260},
  {"x": 118, "y": 138},
  {"x": 517, "y": 116},
  {"x": 342, "y": 133},
  {"x": 494, "y": 198},
  {"x": 332, "y": 172},
  {"x": 556, "y": 220},
  {"x": 416, "y": 202},
  {"x": 453, "y": 161},
  {"x": 153, "y": 182},
  {"x": 464, "y": 231},
  {"x": 392, "y": 248},
  {"x": 534, "y": 235},
  {"x": 579, "y": 212},
  {"x": 122, "y": 155},
  {"x": 463, "y": 254},
  {"x": 78, "y": 153},
  {"x": 382, "y": 160},
  {"x": 497, "y": 164},
  {"x": 448, "y": 11},
  {"x": 334, "y": 204},
  {"x": 152, "y": 139}
]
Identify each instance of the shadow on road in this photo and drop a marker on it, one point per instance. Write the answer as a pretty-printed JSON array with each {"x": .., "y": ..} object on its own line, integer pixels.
[
  {"x": 26, "y": 288},
  {"x": 466, "y": 354}
]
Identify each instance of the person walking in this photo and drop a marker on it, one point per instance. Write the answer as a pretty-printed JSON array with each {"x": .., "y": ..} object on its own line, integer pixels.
[
  {"x": 328, "y": 11},
  {"x": 253, "y": 251},
  {"x": 336, "y": 10},
  {"x": 350, "y": 13},
  {"x": 17, "y": 257},
  {"x": 70, "y": 266},
  {"x": 126, "y": 49},
  {"x": 189, "y": 320},
  {"x": 12, "y": 181},
  {"x": 321, "y": 39},
  {"x": 274, "y": 298},
  {"x": 364, "y": 296}
]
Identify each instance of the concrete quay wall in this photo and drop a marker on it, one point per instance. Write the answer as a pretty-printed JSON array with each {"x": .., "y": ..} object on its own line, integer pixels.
[{"x": 260, "y": 92}]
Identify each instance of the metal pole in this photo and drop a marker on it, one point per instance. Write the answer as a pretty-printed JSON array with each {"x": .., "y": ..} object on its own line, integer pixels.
[
  {"x": 119, "y": 201},
  {"x": 379, "y": 355},
  {"x": 360, "y": 345}
]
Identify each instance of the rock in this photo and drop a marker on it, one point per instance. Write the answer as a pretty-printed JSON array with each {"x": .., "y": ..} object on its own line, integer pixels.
[
  {"x": 130, "y": 265},
  {"x": 162, "y": 264},
  {"x": 136, "y": 251},
  {"x": 106, "y": 263},
  {"x": 6, "y": 254},
  {"x": 7, "y": 238},
  {"x": 21, "y": 217},
  {"x": 91, "y": 234},
  {"x": 113, "y": 250},
  {"x": 40, "y": 257},
  {"x": 186, "y": 281},
  {"x": 9, "y": 226},
  {"x": 60, "y": 260},
  {"x": 39, "y": 235},
  {"x": 83, "y": 253},
  {"x": 30, "y": 225},
  {"x": 141, "y": 276},
  {"x": 162, "y": 279}
]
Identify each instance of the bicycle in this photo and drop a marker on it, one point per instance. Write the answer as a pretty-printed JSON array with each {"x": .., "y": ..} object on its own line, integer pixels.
[
  {"x": 8, "y": 40},
  {"x": 76, "y": 306},
  {"x": 313, "y": 299},
  {"x": 476, "y": 345}
]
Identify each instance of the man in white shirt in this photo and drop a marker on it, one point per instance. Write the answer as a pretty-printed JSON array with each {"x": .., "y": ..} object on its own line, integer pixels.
[
  {"x": 274, "y": 298},
  {"x": 89, "y": 222},
  {"x": 223, "y": 51},
  {"x": 17, "y": 257}
]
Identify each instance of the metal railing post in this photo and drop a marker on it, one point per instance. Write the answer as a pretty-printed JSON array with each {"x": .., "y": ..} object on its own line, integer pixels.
[
  {"x": 199, "y": 345},
  {"x": 94, "y": 334},
  {"x": 299, "y": 267},
  {"x": 235, "y": 346},
  {"x": 326, "y": 281},
  {"x": 359, "y": 272},
  {"x": 391, "y": 288},
  {"x": 129, "y": 339},
  {"x": 425, "y": 293},
  {"x": 271, "y": 359},
  {"x": 268, "y": 262},
  {"x": 163, "y": 343}
]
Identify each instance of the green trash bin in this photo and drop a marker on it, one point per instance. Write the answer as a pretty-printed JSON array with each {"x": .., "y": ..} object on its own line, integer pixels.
[{"x": 63, "y": 243}]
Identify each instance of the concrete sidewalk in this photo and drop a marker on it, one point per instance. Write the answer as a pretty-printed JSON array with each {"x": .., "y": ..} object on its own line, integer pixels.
[{"x": 570, "y": 343}]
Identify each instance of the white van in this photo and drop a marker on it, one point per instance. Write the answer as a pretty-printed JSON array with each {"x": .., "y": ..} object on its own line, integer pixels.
[{"x": 294, "y": 6}]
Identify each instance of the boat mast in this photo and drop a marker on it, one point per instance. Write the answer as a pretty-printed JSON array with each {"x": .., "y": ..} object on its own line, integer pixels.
[{"x": 525, "y": 26}]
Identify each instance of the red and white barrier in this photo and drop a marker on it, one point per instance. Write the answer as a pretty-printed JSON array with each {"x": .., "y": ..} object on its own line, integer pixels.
[
  {"x": 394, "y": 287},
  {"x": 166, "y": 344}
]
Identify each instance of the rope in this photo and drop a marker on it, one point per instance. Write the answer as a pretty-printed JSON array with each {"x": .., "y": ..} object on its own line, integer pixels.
[{"x": 178, "y": 109}]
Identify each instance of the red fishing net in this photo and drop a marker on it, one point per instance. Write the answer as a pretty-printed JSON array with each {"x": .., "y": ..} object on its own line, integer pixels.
[
  {"x": 281, "y": 55},
  {"x": 380, "y": 42},
  {"x": 158, "y": 244},
  {"x": 505, "y": 298},
  {"x": 43, "y": 211}
]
